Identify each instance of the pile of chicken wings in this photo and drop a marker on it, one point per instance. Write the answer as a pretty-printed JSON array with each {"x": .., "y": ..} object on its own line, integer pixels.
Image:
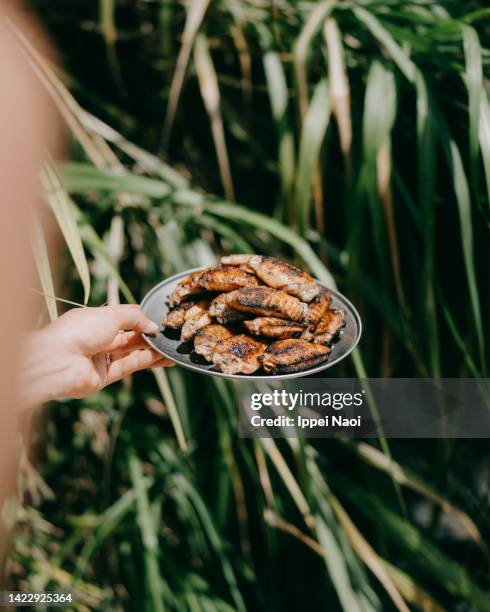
[{"x": 253, "y": 312}]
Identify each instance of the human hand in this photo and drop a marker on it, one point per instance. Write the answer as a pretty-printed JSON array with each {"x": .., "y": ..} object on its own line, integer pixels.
[{"x": 85, "y": 350}]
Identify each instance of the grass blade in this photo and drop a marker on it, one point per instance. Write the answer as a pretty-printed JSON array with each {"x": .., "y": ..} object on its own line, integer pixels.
[
  {"x": 105, "y": 525},
  {"x": 387, "y": 41},
  {"x": 314, "y": 128},
  {"x": 367, "y": 554},
  {"x": 163, "y": 385},
  {"x": 484, "y": 136},
  {"x": 107, "y": 21},
  {"x": 149, "y": 535},
  {"x": 62, "y": 208},
  {"x": 83, "y": 178},
  {"x": 463, "y": 199},
  {"x": 150, "y": 163},
  {"x": 339, "y": 89},
  {"x": 41, "y": 258},
  {"x": 278, "y": 96},
  {"x": 289, "y": 481},
  {"x": 208, "y": 83},
  {"x": 450, "y": 575},
  {"x": 312, "y": 26},
  {"x": 339, "y": 559},
  {"x": 426, "y": 173},
  {"x": 412, "y": 592},
  {"x": 406, "y": 478},
  {"x": 195, "y": 15},
  {"x": 474, "y": 84}
]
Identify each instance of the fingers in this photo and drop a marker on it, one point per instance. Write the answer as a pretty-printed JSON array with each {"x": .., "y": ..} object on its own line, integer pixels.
[
  {"x": 131, "y": 317},
  {"x": 136, "y": 360},
  {"x": 163, "y": 363},
  {"x": 125, "y": 342}
]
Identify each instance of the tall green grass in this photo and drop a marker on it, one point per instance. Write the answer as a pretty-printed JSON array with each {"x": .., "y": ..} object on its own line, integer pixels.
[{"x": 350, "y": 138}]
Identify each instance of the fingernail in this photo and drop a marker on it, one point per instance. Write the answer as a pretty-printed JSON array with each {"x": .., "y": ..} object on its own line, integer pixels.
[{"x": 152, "y": 328}]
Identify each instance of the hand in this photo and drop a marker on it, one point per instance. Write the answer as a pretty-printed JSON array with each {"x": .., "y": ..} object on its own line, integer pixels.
[{"x": 85, "y": 350}]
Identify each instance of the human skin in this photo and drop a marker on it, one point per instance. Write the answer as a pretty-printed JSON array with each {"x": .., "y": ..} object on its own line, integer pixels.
[
  {"x": 83, "y": 351},
  {"x": 68, "y": 358},
  {"x": 28, "y": 129}
]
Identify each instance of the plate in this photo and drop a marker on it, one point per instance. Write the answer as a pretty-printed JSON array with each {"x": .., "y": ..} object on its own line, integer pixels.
[{"x": 168, "y": 343}]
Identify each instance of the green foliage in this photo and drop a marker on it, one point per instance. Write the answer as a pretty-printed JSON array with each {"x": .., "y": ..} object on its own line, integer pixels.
[{"x": 355, "y": 139}]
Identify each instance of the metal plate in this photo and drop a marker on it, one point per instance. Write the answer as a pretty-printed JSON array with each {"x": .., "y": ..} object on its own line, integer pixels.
[{"x": 168, "y": 343}]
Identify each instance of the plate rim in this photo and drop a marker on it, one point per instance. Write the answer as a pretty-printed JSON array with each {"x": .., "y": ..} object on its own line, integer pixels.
[{"x": 301, "y": 374}]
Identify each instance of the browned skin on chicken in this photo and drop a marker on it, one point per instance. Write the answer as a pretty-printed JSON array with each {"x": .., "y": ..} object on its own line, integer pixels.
[
  {"x": 238, "y": 355},
  {"x": 176, "y": 317},
  {"x": 208, "y": 338},
  {"x": 184, "y": 289},
  {"x": 329, "y": 327},
  {"x": 196, "y": 318},
  {"x": 226, "y": 278},
  {"x": 277, "y": 274},
  {"x": 317, "y": 309},
  {"x": 217, "y": 278},
  {"x": 288, "y": 356},
  {"x": 268, "y": 302},
  {"x": 224, "y": 313},
  {"x": 272, "y": 327}
]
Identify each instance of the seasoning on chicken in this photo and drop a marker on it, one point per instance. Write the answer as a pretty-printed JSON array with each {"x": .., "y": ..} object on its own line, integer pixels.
[
  {"x": 176, "y": 317},
  {"x": 208, "y": 338},
  {"x": 277, "y": 274},
  {"x": 223, "y": 313},
  {"x": 288, "y": 356},
  {"x": 317, "y": 309},
  {"x": 215, "y": 278},
  {"x": 238, "y": 355},
  {"x": 196, "y": 317},
  {"x": 272, "y": 327},
  {"x": 268, "y": 302},
  {"x": 184, "y": 289},
  {"x": 329, "y": 327}
]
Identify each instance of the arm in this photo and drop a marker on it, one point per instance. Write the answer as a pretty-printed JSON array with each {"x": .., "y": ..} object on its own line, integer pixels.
[{"x": 85, "y": 350}]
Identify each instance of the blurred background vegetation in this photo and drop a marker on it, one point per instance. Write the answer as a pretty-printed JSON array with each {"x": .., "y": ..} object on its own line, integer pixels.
[{"x": 352, "y": 138}]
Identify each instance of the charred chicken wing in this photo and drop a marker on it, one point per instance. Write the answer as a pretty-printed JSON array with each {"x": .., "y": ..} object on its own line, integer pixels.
[
  {"x": 329, "y": 327},
  {"x": 224, "y": 313},
  {"x": 208, "y": 338},
  {"x": 277, "y": 274},
  {"x": 176, "y": 317},
  {"x": 288, "y": 356},
  {"x": 196, "y": 317},
  {"x": 215, "y": 278},
  {"x": 268, "y": 302},
  {"x": 272, "y": 327},
  {"x": 238, "y": 355},
  {"x": 317, "y": 309}
]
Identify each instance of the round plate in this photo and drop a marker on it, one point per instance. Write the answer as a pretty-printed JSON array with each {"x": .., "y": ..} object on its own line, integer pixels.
[{"x": 168, "y": 343}]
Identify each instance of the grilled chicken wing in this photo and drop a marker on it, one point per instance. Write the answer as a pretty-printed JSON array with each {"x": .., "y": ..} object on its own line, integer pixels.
[
  {"x": 238, "y": 355},
  {"x": 224, "y": 313},
  {"x": 184, "y": 289},
  {"x": 288, "y": 356},
  {"x": 215, "y": 278},
  {"x": 196, "y": 317},
  {"x": 208, "y": 338},
  {"x": 272, "y": 327},
  {"x": 317, "y": 309},
  {"x": 268, "y": 302},
  {"x": 277, "y": 274},
  {"x": 176, "y": 317},
  {"x": 329, "y": 327}
]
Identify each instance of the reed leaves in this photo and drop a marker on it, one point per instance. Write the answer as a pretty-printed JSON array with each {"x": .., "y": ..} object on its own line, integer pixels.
[{"x": 191, "y": 516}]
